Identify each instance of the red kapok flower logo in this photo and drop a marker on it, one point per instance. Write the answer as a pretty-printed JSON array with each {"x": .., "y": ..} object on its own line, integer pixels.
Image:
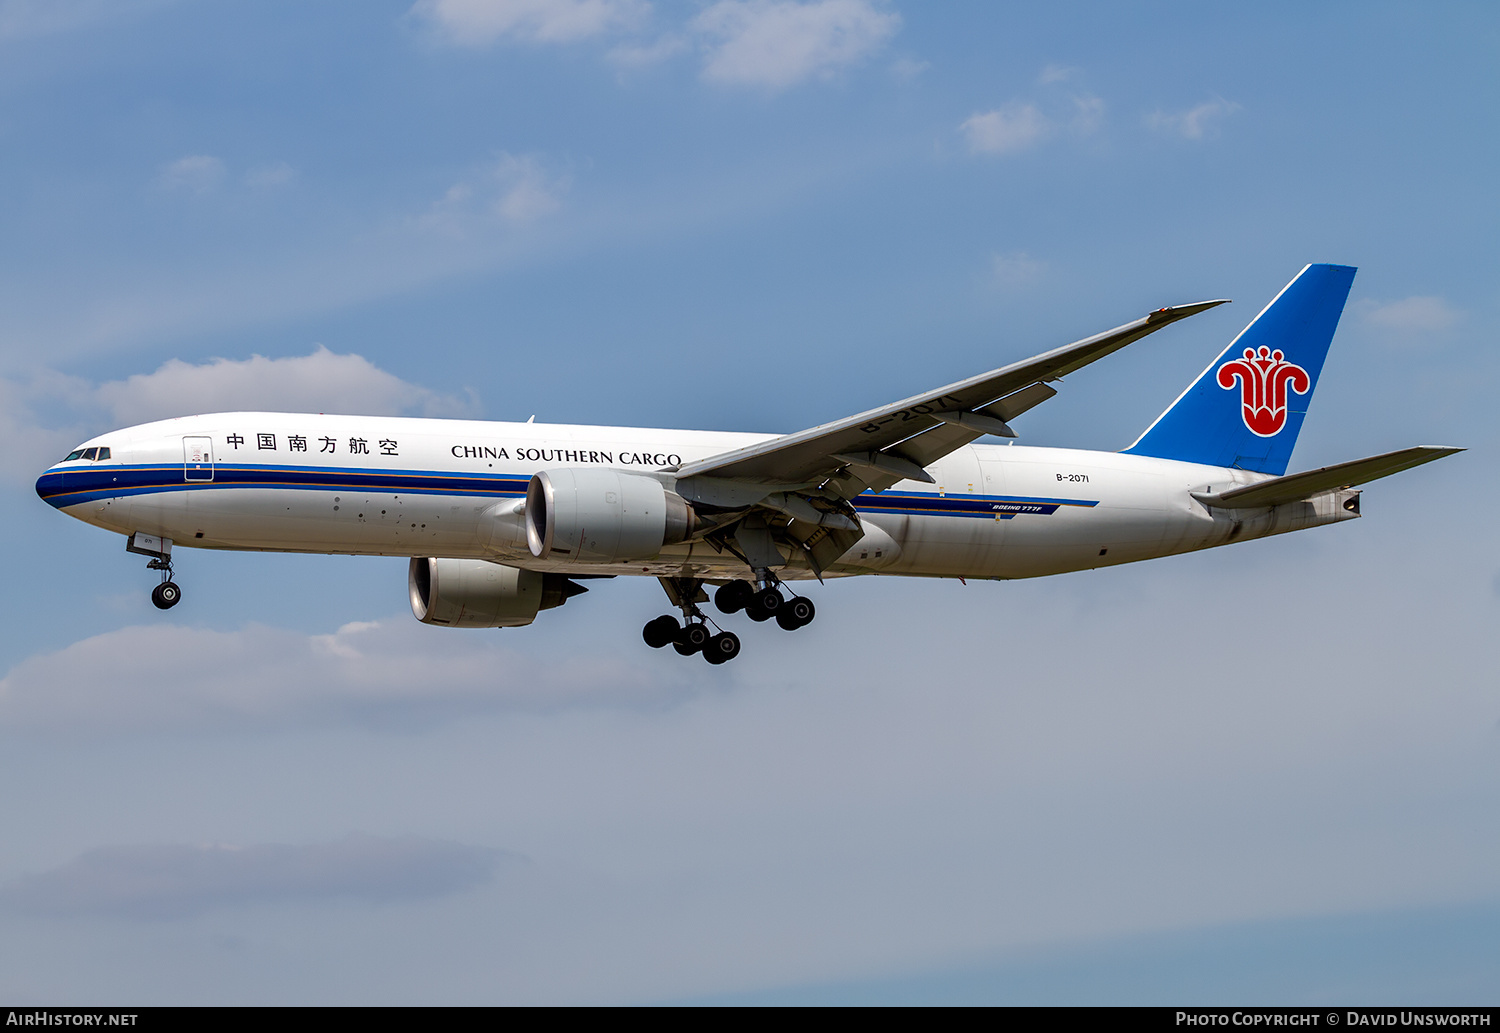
[{"x": 1264, "y": 377}]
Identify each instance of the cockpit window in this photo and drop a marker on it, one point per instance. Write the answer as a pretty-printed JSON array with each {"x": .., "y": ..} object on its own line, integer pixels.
[
  {"x": 90, "y": 453},
  {"x": 77, "y": 453},
  {"x": 103, "y": 454}
]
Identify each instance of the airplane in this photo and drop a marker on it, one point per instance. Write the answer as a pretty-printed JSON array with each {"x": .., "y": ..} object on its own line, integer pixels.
[{"x": 503, "y": 520}]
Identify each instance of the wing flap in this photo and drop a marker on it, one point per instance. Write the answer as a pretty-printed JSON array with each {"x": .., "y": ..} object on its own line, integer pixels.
[
  {"x": 1014, "y": 404},
  {"x": 1300, "y": 486},
  {"x": 932, "y": 445}
]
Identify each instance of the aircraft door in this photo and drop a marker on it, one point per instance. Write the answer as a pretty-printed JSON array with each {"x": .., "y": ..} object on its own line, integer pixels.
[
  {"x": 992, "y": 470},
  {"x": 197, "y": 459},
  {"x": 994, "y": 475}
]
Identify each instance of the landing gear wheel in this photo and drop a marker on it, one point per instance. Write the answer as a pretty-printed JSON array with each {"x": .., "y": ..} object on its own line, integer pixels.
[
  {"x": 661, "y": 631},
  {"x": 166, "y": 595},
  {"x": 800, "y": 609},
  {"x": 722, "y": 648},
  {"x": 764, "y": 604},
  {"x": 733, "y": 597},
  {"x": 690, "y": 639}
]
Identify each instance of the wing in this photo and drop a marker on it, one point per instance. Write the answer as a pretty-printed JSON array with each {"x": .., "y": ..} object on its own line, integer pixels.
[
  {"x": 882, "y": 446},
  {"x": 794, "y": 491}
]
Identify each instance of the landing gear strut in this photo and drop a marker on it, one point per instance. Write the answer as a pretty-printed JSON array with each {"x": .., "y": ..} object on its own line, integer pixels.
[{"x": 167, "y": 594}]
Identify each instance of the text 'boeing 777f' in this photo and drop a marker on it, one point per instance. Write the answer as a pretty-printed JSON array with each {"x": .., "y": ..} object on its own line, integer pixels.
[{"x": 500, "y": 518}]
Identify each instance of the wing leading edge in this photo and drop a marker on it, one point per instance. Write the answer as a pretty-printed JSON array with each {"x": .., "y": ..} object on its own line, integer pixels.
[{"x": 877, "y": 448}]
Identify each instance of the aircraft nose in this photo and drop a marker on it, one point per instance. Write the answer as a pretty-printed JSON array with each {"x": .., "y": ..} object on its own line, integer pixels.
[{"x": 49, "y": 485}]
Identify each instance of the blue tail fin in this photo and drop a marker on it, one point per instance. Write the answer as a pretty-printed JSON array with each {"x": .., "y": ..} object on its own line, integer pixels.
[{"x": 1246, "y": 409}]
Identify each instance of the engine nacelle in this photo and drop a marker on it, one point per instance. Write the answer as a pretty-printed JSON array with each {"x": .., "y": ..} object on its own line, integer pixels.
[
  {"x": 599, "y": 515},
  {"x": 481, "y": 594}
]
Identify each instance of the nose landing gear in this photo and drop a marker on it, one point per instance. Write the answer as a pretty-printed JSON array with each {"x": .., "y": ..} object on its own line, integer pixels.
[{"x": 167, "y": 594}]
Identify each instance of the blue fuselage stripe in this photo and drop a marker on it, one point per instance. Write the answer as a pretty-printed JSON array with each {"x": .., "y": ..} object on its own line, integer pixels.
[{"x": 75, "y": 485}]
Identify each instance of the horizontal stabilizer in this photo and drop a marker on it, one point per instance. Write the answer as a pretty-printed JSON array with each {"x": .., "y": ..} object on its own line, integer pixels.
[{"x": 1299, "y": 486}]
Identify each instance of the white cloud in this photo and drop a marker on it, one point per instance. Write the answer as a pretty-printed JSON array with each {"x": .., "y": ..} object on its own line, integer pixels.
[
  {"x": 396, "y": 673},
  {"x": 194, "y": 174},
  {"x": 514, "y": 190},
  {"x": 1007, "y": 130},
  {"x": 639, "y": 55},
  {"x": 157, "y": 881},
  {"x": 272, "y": 174},
  {"x": 1088, "y": 114},
  {"x": 1196, "y": 123},
  {"x": 1419, "y": 314},
  {"x": 320, "y": 382},
  {"x": 477, "y": 23},
  {"x": 524, "y": 192},
  {"x": 777, "y": 43},
  {"x": 762, "y": 43},
  {"x": 246, "y": 277},
  {"x": 1022, "y": 124},
  {"x": 43, "y": 416},
  {"x": 40, "y": 420},
  {"x": 203, "y": 173}
]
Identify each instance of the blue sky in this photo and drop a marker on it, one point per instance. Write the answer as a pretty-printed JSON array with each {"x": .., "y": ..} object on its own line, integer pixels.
[{"x": 1147, "y": 784}]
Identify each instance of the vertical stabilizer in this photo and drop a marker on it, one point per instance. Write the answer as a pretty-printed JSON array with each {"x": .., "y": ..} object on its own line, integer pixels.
[{"x": 1246, "y": 409}]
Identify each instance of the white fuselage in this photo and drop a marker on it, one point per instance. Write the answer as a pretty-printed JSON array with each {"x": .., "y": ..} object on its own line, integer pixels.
[{"x": 453, "y": 488}]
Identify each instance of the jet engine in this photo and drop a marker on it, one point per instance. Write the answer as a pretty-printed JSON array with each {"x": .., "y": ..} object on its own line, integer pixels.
[
  {"x": 481, "y": 594},
  {"x": 588, "y": 515}
]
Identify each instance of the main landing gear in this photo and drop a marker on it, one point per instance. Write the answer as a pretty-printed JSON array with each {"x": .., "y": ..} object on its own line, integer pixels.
[
  {"x": 692, "y": 634},
  {"x": 761, "y": 601},
  {"x": 692, "y": 637},
  {"x": 765, "y": 603},
  {"x": 167, "y": 594}
]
